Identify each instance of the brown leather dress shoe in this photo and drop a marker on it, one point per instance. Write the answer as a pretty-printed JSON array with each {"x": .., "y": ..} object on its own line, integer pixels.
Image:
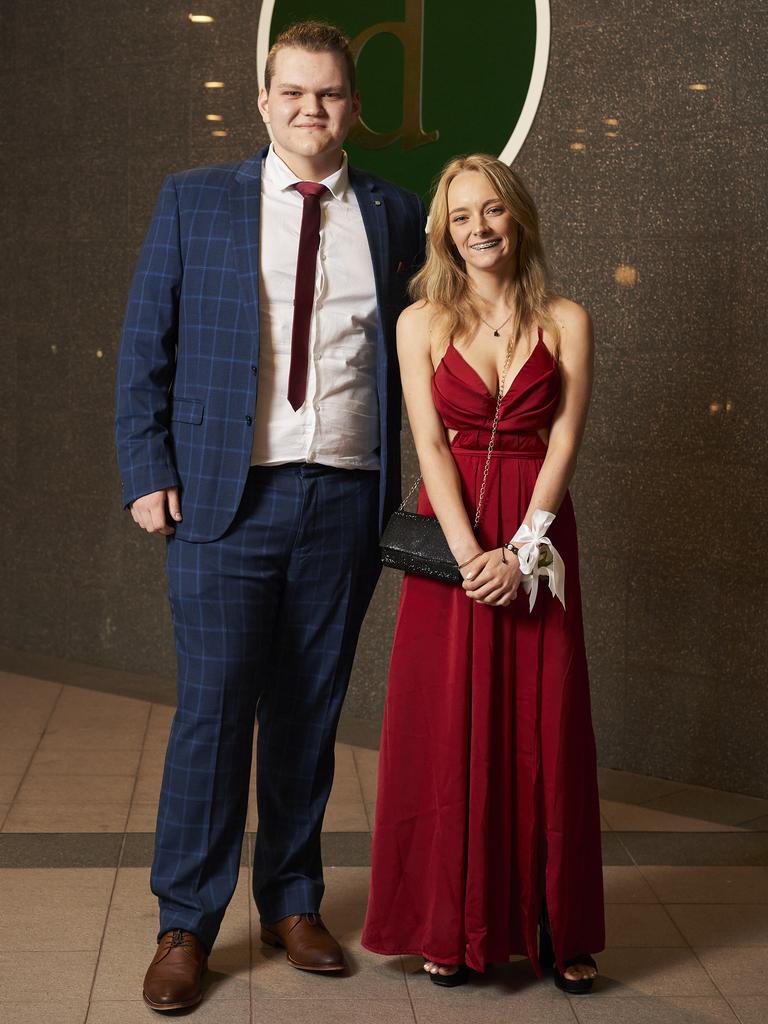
[
  {"x": 310, "y": 945},
  {"x": 173, "y": 979}
]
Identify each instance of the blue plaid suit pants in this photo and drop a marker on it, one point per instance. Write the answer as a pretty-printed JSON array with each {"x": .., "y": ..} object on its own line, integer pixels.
[{"x": 266, "y": 621}]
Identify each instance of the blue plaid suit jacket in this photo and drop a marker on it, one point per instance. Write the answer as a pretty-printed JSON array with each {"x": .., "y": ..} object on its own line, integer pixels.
[{"x": 189, "y": 354}]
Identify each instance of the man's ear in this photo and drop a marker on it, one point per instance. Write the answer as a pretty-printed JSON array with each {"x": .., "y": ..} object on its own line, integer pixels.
[
  {"x": 262, "y": 105},
  {"x": 356, "y": 107}
]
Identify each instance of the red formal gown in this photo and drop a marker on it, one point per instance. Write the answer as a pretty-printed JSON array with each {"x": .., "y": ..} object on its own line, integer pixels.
[{"x": 487, "y": 794}]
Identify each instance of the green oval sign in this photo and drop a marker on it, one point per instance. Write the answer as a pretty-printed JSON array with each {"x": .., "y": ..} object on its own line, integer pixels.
[{"x": 436, "y": 78}]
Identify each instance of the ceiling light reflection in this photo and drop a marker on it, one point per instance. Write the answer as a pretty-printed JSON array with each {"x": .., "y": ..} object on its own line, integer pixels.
[
  {"x": 578, "y": 145},
  {"x": 200, "y": 19},
  {"x": 219, "y": 133},
  {"x": 698, "y": 86},
  {"x": 214, "y": 85},
  {"x": 626, "y": 275},
  {"x": 214, "y": 117}
]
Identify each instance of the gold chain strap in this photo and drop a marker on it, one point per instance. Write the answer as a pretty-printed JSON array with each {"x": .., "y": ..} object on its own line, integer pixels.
[{"x": 491, "y": 442}]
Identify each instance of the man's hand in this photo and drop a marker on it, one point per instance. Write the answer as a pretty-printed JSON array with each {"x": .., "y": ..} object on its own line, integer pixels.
[{"x": 151, "y": 511}]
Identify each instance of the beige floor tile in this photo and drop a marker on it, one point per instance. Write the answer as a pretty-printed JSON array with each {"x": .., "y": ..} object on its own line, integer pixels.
[
  {"x": 370, "y": 811},
  {"x": 330, "y": 1011},
  {"x": 653, "y": 1010},
  {"x": 71, "y": 790},
  {"x": 56, "y": 1011},
  {"x": 25, "y": 816},
  {"x": 152, "y": 760},
  {"x": 14, "y": 760},
  {"x": 136, "y": 1012},
  {"x": 90, "y": 709},
  {"x": 147, "y": 789},
  {"x": 367, "y": 762},
  {"x": 369, "y": 977},
  {"x": 722, "y": 924},
  {"x": 25, "y": 707},
  {"x": 708, "y": 884},
  {"x": 4, "y": 809},
  {"x": 626, "y": 885},
  {"x": 751, "y": 1009},
  {"x": 94, "y": 763},
  {"x": 9, "y": 784},
  {"x": 131, "y": 933},
  {"x": 637, "y": 924},
  {"x": 509, "y": 992},
  {"x": 75, "y": 737},
  {"x": 737, "y": 972},
  {"x": 346, "y": 817},
  {"x": 142, "y": 817},
  {"x": 53, "y": 908},
  {"x": 604, "y": 825},
  {"x": 346, "y": 788},
  {"x": 653, "y": 972},
  {"x": 44, "y": 977},
  {"x": 711, "y": 805},
  {"x": 633, "y": 818},
  {"x": 159, "y": 727}
]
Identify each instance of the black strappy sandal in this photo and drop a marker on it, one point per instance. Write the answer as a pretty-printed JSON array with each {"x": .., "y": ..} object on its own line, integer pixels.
[
  {"x": 459, "y": 977},
  {"x": 573, "y": 986}
]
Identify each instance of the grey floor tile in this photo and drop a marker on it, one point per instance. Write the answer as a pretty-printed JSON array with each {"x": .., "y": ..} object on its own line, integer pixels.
[
  {"x": 751, "y": 1009},
  {"x": 123, "y": 1011},
  {"x": 653, "y": 1010},
  {"x": 722, "y": 924},
  {"x": 43, "y": 977},
  {"x": 53, "y": 909},
  {"x": 653, "y": 972},
  {"x": 636, "y": 924},
  {"x": 627, "y": 787},
  {"x": 330, "y": 1011},
  {"x": 504, "y": 993},
  {"x": 623, "y": 884},
  {"x": 614, "y": 851},
  {"x": 55, "y": 1011},
  {"x": 707, "y": 884},
  {"x": 738, "y": 971},
  {"x": 695, "y": 849},
  {"x": 711, "y": 805},
  {"x": 60, "y": 850}
]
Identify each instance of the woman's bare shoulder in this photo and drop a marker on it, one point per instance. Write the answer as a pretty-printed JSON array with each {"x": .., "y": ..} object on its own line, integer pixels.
[{"x": 568, "y": 313}]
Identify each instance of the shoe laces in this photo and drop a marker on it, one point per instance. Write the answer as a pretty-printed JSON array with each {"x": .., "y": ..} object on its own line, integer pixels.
[{"x": 178, "y": 938}]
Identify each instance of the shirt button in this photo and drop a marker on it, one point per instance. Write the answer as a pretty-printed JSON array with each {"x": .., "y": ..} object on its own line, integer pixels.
[
  {"x": 248, "y": 420},
  {"x": 311, "y": 456},
  {"x": 317, "y": 407},
  {"x": 319, "y": 305},
  {"x": 254, "y": 370}
]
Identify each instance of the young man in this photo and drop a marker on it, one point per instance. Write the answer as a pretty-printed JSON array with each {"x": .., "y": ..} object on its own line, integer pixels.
[{"x": 258, "y": 430}]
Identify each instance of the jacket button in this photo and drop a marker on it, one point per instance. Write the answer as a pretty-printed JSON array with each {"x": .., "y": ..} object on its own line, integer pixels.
[
  {"x": 254, "y": 370},
  {"x": 248, "y": 420}
]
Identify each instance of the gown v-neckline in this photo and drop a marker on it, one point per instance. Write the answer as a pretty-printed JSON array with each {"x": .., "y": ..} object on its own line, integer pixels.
[{"x": 470, "y": 367}]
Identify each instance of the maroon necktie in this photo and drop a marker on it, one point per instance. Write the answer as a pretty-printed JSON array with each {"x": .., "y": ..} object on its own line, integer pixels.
[{"x": 304, "y": 295}]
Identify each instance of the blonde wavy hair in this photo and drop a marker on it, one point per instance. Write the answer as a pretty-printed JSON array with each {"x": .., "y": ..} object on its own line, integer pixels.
[{"x": 443, "y": 280}]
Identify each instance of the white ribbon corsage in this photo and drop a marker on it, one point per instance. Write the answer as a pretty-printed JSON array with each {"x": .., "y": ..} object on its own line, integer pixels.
[{"x": 538, "y": 558}]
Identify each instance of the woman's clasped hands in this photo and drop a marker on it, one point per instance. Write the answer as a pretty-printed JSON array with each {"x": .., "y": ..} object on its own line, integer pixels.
[{"x": 492, "y": 577}]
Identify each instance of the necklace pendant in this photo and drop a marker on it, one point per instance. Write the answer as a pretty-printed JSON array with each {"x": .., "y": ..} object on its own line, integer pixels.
[{"x": 495, "y": 334}]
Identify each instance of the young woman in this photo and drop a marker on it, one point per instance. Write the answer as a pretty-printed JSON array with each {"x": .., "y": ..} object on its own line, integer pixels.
[{"x": 487, "y": 834}]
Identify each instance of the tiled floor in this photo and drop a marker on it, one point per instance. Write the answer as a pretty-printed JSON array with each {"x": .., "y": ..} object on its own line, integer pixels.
[{"x": 685, "y": 874}]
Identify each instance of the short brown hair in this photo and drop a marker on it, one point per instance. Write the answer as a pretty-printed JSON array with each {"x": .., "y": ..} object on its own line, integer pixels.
[{"x": 317, "y": 37}]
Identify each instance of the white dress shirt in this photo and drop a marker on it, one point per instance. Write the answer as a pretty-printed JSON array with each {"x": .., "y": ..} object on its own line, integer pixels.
[{"x": 338, "y": 424}]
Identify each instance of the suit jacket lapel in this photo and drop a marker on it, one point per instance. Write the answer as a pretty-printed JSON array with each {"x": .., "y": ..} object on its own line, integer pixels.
[
  {"x": 245, "y": 217},
  {"x": 374, "y": 213}
]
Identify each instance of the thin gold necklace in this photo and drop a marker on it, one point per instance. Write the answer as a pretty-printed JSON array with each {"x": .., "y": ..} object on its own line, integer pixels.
[{"x": 497, "y": 329}]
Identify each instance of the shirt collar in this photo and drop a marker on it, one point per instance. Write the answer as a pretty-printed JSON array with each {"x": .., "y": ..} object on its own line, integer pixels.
[{"x": 279, "y": 174}]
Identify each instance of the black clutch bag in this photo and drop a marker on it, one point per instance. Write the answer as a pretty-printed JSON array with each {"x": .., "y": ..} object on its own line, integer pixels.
[{"x": 416, "y": 544}]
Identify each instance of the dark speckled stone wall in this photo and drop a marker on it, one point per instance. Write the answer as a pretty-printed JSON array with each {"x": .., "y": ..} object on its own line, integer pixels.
[{"x": 631, "y": 168}]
